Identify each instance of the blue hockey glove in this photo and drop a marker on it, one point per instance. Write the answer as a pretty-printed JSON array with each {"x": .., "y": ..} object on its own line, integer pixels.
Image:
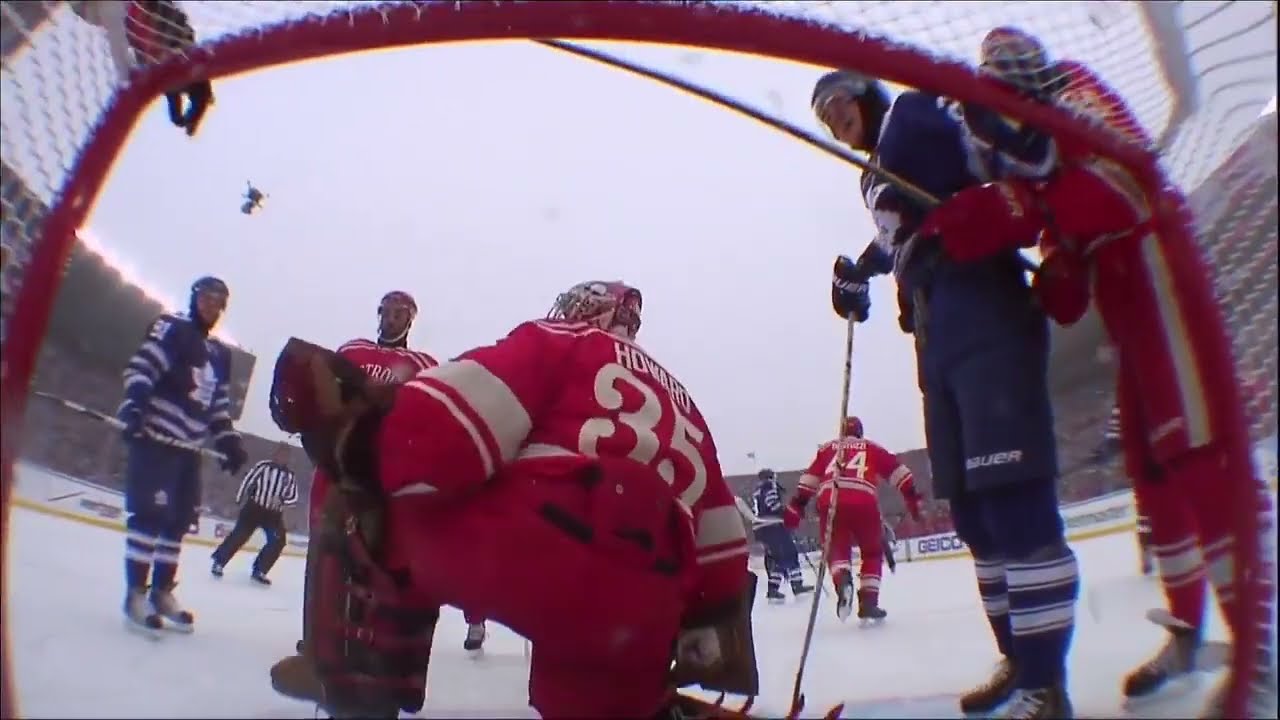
[
  {"x": 131, "y": 415},
  {"x": 850, "y": 290},
  {"x": 234, "y": 456}
]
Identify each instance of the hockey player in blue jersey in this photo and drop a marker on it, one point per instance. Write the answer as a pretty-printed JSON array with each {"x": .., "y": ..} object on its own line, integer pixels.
[
  {"x": 781, "y": 560},
  {"x": 175, "y": 393},
  {"x": 982, "y": 347}
]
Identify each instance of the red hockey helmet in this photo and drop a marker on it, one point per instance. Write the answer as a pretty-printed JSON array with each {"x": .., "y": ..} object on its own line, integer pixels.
[
  {"x": 1017, "y": 58},
  {"x": 396, "y": 312},
  {"x": 608, "y": 305},
  {"x": 853, "y": 427}
]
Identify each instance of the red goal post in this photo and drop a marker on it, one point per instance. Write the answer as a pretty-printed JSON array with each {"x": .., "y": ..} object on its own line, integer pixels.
[{"x": 1196, "y": 74}]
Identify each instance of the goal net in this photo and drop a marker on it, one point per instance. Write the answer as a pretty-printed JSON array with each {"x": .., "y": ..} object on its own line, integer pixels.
[{"x": 77, "y": 75}]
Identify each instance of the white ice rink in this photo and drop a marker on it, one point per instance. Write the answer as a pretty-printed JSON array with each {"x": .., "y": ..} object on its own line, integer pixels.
[{"x": 73, "y": 658}]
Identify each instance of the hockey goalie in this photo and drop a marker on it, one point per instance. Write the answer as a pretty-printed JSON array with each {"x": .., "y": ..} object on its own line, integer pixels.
[{"x": 564, "y": 441}]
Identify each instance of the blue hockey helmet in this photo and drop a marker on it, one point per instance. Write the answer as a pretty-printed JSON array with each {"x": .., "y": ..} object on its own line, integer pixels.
[
  {"x": 868, "y": 93},
  {"x": 207, "y": 286},
  {"x": 766, "y": 474}
]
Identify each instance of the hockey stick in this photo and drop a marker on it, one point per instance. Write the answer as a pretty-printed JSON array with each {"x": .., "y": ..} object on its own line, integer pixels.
[
  {"x": 917, "y": 193},
  {"x": 119, "y": 425},
  {"x": 827, "y": 146},
  {"x": 797, "y": 697},
  {"x": 809, "y": 561}
]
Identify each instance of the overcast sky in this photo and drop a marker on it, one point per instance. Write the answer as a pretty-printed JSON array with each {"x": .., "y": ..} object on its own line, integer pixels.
[{"x": 485, "y": 178}]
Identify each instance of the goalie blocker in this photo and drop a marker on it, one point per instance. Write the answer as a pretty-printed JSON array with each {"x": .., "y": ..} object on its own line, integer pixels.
[{"x": 387, "y": 557}]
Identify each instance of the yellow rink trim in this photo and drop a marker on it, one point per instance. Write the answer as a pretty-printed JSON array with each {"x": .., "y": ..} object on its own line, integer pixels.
[{"x": 119, "y": 526}]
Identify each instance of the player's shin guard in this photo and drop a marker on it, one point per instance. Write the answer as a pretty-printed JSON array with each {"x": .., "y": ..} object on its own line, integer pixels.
[
  {"x": 168, "y": 550},
  {"x": 139, "y": 550},
  {"x": 1043, "y": 587},
  {"x": 1175, "y": 549},
  {"x": 994, "y": 591}
]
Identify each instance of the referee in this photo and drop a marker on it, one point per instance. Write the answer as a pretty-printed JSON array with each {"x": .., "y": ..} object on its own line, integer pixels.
[{"x": 265, "y": 490}]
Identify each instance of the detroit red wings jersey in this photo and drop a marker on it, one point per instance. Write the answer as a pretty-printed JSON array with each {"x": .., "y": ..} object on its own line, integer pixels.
[
  {"x": 386, "y": 364},
  {"x": 862, "y": 466},
  {"x": 1086, "y": 94},
  {"x": 551, "y": 396}
]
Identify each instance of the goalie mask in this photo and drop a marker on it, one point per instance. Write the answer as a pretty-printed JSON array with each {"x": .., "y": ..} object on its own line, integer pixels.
[
  {"x": 852, "y": 107},
  {"x": 1018, "y": 59},
  {"x": 610, "y": 306},
  {"x": 853, "y": 427},
  {"x": 396, "y": 312}
]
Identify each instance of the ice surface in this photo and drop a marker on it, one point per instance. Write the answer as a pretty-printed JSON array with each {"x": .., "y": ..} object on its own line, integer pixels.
[{"x": 73, "y": 657}]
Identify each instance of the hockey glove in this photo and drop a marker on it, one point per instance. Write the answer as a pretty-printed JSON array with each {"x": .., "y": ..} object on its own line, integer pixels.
[
  {"x": 912, "y": 501},
  {"x": 131, "y": 415},
  {"x": 850, "y": 290},
  {"x": 791, "y": 516},
  {"x": 982, "y": 221},
  {"x": 233, "y": 455},
  {"x": 1062, "y": 286}
]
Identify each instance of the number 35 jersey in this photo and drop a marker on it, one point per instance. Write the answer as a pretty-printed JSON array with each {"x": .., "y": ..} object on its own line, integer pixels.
[{"x": 550, "y": 397}]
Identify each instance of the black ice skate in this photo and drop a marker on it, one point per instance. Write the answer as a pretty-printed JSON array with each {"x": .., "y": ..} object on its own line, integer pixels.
[
  {"x": 259, "y": 577},
  {"x": 216, "y": 569},
  {"x": 869, "y": 610},
  {"x": 175, "y": 617},
  {"x": 139, "y": 615},
  {"x": 1041, "y": 704},
  {"x": 991, "y": 694},
  {"x": 798, "y": 588},
  {"x": 775, "y": 596},
  {"x": 1173, "y": 663},
  {"x": 474, "y": 643},
  {"x": 844, "y": 597}
]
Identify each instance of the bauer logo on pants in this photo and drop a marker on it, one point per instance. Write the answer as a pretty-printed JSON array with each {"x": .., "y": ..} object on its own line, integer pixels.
[{"x": 1008, "y": 457}]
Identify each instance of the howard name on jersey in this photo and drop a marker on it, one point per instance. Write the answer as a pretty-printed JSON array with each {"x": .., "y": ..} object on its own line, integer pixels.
[
  {"x": 862, "y": 465},
  {"x": 179, "y": 378},
  {"x": 386, "y": 364},
  {"x": 551, "y": 396}
]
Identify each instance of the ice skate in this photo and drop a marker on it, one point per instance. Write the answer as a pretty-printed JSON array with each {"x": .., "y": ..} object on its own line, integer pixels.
[
  {"x": 775, "y": 596},
  {"x": 175, "y": 617},
  {"x": 992, "y": 694},
  {"x": 844, "y": 597},
  {"x": 259, "y": 577},
  {"x": 474, "y": 642},
  {"x": 869, "y": 610},
  {"x": 1173, "y": 665},
  {"x": 1041, "y": 704},
  {"x": 216, "y": 569},
  {"x": 798, "y": 588},
  {"x": 139, "y": 614}
]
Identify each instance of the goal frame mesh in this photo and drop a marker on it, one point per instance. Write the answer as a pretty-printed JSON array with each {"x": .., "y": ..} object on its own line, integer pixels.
[{"x": 726, "y": 27}]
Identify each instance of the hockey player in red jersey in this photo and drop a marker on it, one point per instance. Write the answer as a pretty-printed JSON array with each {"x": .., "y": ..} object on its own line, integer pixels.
[
  {"x": 565, "y": 442},
  {"x": 1125, "y": 239},
  {"x": 850, "y": 469},
  {"x": 387, "y": 359}
]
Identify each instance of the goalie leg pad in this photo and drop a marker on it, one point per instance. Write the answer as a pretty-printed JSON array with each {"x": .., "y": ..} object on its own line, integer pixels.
[{"x": 370, "y": 645}]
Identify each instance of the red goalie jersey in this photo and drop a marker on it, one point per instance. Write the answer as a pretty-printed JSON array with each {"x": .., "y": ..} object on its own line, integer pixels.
[{"x": 541, "y": 407}]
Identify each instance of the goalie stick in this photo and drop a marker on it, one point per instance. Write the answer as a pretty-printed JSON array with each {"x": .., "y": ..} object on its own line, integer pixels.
[{"x": 119, "y": 425}]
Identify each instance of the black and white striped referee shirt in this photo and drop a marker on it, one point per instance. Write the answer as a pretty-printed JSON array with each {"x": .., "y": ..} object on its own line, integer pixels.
[{"x": 270, "y": 485}]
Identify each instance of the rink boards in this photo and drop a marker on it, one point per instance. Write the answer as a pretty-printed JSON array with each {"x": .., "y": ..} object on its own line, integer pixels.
[{"x": 55, "y": 494}]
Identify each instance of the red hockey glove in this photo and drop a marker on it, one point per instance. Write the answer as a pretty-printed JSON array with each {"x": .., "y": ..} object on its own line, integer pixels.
[
  {"x": 912, "y": 501},
  {"x": 982, "y": 221},
  {"x": 791, "y": 516},
  {"x": 1062, "y": 286}
]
